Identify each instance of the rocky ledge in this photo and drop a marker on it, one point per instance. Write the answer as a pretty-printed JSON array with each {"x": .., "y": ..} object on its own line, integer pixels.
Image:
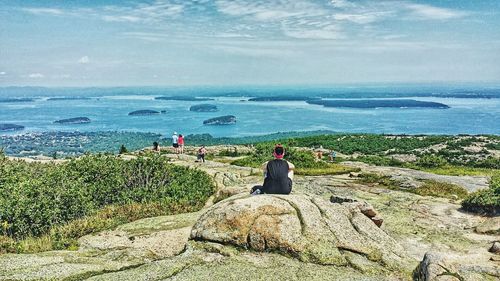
[
  {"x": 143, "y": 112},
  {"x": 222, "y": 120},
  {"x": 308, "y": 228},
  {"x": 10, "y": 127},
  {"x": 203, "y": 108},
  {"x": 75, "y": 120}
]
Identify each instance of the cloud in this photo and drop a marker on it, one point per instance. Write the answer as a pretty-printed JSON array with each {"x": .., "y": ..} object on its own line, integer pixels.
[
  {"x": 44, "y": 11},
  {"x": 3, "y": 73},
  {"x": 120, "y": 18},
  {"x": 36, "y": 75},
  {"x": 84, "y": 60},
  {"x": 433, "y": 13}
]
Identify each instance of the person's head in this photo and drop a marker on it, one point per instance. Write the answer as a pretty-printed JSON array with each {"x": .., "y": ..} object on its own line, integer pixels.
[
  {"x": 180, "y": 135},
  {"x": 175, "y": 133},
  {"x": 203, "y": 146},
  {"x": 279, "y": 151}
]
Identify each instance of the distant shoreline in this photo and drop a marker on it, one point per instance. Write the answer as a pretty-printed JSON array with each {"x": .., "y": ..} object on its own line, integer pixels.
[{"x": 71, "y": 144}]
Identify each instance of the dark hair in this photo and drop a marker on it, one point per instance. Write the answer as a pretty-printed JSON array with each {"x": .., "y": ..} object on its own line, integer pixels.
[
  {"x": 180, "y": 136},
  {"x": 279, "y": 149}
]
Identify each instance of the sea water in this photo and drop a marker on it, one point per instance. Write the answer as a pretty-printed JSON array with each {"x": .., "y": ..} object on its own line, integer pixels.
[{"x": 108, "y": 111}]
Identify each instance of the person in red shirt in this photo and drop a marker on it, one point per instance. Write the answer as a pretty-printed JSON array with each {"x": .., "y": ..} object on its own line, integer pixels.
[{"x": 181, "y": 144}]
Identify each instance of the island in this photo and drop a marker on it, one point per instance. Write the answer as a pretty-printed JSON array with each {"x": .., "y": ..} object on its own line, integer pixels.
[
  {"x": 10, "y": 127},
  {"x": 17, "y": 100},
  {"x": 375, "y": 103},
  {"x": 182, "y": 98},
  {"x": 75, "y": 120},
  {"x": 143, "y": 112},
  {"x": 68, "y": 98},
  {"x": 283, "y": 98},
  {"x": 222, "y": 120},
  {"x": 203, "y": 108}
]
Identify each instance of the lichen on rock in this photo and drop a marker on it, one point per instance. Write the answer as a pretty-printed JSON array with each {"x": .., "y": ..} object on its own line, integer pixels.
[{"x": 308, "y": 228}]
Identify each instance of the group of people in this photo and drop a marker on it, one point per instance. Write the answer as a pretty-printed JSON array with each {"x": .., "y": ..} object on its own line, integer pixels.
[{"x": 178, "y": 146}]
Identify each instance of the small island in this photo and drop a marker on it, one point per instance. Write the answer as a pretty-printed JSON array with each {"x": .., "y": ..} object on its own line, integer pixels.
[
  {"x": 75, "y": 120},
  {"x": 182, "y": 98},
  {"x": 282, "y": 98},
  {"x": 10, "y": 127},
  {"x": 68, "y": 98},
  {"x": 143, "y": 112},
  {"x": 204, "y": 108},
  {"x": 376, "y": 103},
  {"x": 17, "y": 100},
  {"x": 222, "y": 120}
]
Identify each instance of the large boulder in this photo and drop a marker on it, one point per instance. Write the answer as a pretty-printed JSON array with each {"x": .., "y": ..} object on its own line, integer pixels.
[
  {"x": 489, "y": 226},
  {"x": 435, "y": 268},
  {"x": 311, "y": 229}
]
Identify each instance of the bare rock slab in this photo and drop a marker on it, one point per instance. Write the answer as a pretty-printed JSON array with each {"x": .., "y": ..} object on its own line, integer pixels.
[{"x": 308, "y": 228}]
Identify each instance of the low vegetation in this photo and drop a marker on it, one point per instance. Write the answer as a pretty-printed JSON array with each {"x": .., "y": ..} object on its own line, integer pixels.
[
  {"x": 61, "y": 202},
  {"x": 429, "y": 187},
  {"x": 485, "y": 201},
  {"x": 304, "y": 161}
]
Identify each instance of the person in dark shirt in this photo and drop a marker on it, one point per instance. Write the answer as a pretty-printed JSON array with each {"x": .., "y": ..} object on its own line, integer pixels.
[{"x": 278, "y": 175}]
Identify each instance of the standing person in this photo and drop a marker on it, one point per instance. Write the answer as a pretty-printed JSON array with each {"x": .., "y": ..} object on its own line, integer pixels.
[
  {"x": 333, "y": 155},
  {"x": 181, "y": 143},
  {"x": 201, "y": 154},
  {"x": 278, "y": 174},
  {"x": 156, "y": 147},
  {"x": 175, "y": 142}
]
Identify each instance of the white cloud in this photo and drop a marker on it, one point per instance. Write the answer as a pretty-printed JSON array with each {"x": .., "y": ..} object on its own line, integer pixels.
[
  {"x": 84, "y": 60},
  {"x": 121, "y": 18},
  {"x": 329, "y": 32},
  {"x": 270, "y": 10},
  {"x": 44, "y": 11},
  {"x": 36, "y": 75},
  {"x": 3, "y": 73},
  {"x": 433, "y": 13}
]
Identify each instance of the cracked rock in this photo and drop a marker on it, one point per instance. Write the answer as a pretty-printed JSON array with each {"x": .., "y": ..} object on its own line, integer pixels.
[{"x": 301, "y": 226}]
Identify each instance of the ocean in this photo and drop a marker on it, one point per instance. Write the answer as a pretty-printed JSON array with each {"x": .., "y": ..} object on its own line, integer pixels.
[{"x": 471, "y": 110}]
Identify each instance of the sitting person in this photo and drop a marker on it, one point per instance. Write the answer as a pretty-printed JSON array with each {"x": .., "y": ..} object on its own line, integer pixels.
[{"x": 278, "y": 175}]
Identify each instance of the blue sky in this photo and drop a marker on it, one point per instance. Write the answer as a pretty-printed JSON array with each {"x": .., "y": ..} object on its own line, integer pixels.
[{"x": 237, "y": 42}]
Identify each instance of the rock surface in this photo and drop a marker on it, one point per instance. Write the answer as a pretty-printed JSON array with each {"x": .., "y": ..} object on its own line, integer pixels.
[
  {"x": 434, "y": 268},
  {"x": 413, "y": 178},
  {"x": 312, "y": 229},
  {"x": 489, "y": 226}
]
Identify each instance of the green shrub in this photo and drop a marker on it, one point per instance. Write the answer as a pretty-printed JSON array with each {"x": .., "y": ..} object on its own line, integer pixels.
[
  {"x": 431, "y": 161},
  {"x": 380, "y": 161},
  {"x": 486, "y": 201},
  {"x": 36, "y": 197},
  {"x": 441, "y": 189}
]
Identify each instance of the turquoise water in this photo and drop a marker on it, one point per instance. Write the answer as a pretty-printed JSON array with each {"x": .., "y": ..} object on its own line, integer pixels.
[{"x": 109, "y": 110}]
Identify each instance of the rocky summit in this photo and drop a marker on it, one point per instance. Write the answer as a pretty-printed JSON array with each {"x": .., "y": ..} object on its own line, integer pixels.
[
  {"x": 309, "y": 228},
  {"x": 329, "y": 228}
]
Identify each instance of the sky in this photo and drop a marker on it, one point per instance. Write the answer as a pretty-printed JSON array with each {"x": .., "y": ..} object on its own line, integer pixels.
[{"x": 254, "y": 42}]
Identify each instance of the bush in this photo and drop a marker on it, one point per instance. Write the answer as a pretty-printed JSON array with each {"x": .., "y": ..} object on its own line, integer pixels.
[
  {"x": 431, "y": 161},
  {"x": 380, "y": 161},
  {"x": 36, "y": 197},
  {"x": 486, "y": 201},
  {"x": 441, "y": 189}
]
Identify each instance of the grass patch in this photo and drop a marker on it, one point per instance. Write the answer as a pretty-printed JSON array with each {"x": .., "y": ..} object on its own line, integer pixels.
[
  {"x": 377, "y": 179},
  {"x": 66, "y": 236},
  {"x": 440, "y": 189},
  {"x": 429, "y": 188},
  {"x": 331, "y": 169}
]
